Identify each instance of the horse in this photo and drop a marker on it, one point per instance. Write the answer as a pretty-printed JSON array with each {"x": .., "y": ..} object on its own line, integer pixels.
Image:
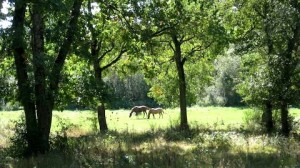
[
  {"x": 139, "y": 109},
  {"x": 153, "y": 111}
]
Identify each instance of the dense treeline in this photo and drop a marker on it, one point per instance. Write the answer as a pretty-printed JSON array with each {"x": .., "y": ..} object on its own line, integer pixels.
[
  {"x": 135, "y": 88},
  {"x": 170, "y": 53},
  {"x": 220, "y": 90}
]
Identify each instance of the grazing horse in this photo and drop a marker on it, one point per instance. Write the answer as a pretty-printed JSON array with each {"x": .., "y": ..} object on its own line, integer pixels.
[
  {"x": 153, "y": 111},
  {"x": 139, "y": 109}
]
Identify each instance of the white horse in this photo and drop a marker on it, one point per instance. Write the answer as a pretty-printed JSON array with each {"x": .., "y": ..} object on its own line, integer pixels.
[{"x": 153, "y": 111}]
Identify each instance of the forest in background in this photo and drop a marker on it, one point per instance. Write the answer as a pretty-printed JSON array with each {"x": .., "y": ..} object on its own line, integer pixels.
[{"x": 127, "y": 91}]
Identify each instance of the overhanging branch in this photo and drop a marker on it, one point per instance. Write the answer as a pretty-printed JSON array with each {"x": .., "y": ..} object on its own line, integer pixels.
[
  {"x": 106, "y": 52},
  {"x": 115, "y": 60}
]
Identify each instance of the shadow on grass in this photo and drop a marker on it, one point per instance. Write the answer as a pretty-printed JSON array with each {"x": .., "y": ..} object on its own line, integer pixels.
[
  {"x": 165, "y": 156},
  {"x": 172, "y": 147}
]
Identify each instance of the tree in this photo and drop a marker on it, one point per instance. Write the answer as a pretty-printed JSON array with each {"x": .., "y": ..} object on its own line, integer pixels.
[
  {"x": 37, "y": 94},
  {"x": 184, "y": 30},
  {"x": 107, "y": 41},
  {"x": 162, "y": 78},
  {"x": 256, "y": 86},
  {"x": 136, "y": 90},
  {"x": 222, "y": 90},
  {"x": 265, "y": 30}
]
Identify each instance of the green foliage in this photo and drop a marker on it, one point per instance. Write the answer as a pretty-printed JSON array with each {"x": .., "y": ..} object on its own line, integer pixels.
[
  {"x": 19, "y": 143},
  {"x": 222, "y": 90},
  {"x": 253, "y": 120},
  {"x": 136, "y": 91},
  {"x": 94, "y": 122},
  {"x": 79, "y": 88},
  {"x": 200, "y": 35},
  {"x": 60, "y": 141},
  {"x": 255, "y": 85},
  {"x": 8, "y": 84},
  {"x": 164, "y": 84},
  {"x": 264, "y": 32}
]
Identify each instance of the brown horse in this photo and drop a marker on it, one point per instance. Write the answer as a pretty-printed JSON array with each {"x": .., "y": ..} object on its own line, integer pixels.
[
  {"x": 139, "y": 109},
  {"x": 153, "y": 111}
]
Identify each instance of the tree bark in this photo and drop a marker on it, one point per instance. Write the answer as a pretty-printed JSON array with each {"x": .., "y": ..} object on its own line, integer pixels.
[
  {"x": 42, "y": 107},
  {"x": 101, "y": 108},
  {"x": 55, "y": 75},
  {"x": 95, "y": 49},
  {"x": 24, "y": 86},
  {"x": 182, "y": 83},
  {"x": 37, "y": 101},
  {"x": 63, "y": 52},
  {"x": 267, "y": 117},
  {"x": 289, "y": 68},
  {"x": 102, "y": 118},
  {"x": 285, "y": 127}
]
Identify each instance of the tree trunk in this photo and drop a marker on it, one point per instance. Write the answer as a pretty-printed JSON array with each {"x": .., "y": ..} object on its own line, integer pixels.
[
  {"x": 285, "y": 126},
  {"x": 43, "y": 113},
  {"x": 182, "y": 84},
  {"x": 38, "y": 102},
  {"x": 97, "y": 71},
  {"x": 101, "y": 108},
  {"x": 102, "y": 118},
  {"x": 25, "y": 89},
  {"x": 267, "y": 117},
  {"x": 63, "y": 52}
]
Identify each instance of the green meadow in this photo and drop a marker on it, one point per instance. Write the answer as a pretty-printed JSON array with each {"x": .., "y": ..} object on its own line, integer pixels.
[
  {"x": 219, "y": 137},
  {"x": 119, "y": 120}
]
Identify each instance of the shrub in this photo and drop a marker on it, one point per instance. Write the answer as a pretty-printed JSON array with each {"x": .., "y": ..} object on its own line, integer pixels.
[
  {"x": 19, "y": 140},
  {"x": 60, "y": 140},
  {"x": 252, "y": 119}
]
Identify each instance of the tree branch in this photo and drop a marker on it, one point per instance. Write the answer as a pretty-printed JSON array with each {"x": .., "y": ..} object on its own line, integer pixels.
[
  {"x": 188, "y": 39},
  {"x": 65, "y": 48},
  {"x": 115, "y": 60},
  {"x": 198, "y": 48},
  {"x": 170, "y": 44},
  {"x": 106, "y": 52},
  {"x": 161, "y": 31},
  {"x": 183, "y": 60}
]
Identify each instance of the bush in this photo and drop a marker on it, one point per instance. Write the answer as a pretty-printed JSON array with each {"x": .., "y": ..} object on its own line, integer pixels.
[
  {"x": 19, "y": 140},
  {"x": 252, "y": 119},
  {"x": 9, "y": 106},
  {"x": 60, "y": 140}
]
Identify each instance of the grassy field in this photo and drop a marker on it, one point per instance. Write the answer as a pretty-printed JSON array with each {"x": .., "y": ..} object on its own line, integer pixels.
[{"x": 218, "y": 138}]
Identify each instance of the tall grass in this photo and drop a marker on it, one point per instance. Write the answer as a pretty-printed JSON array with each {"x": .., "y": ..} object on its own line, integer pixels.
[{"x": 218, "y": 138}]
